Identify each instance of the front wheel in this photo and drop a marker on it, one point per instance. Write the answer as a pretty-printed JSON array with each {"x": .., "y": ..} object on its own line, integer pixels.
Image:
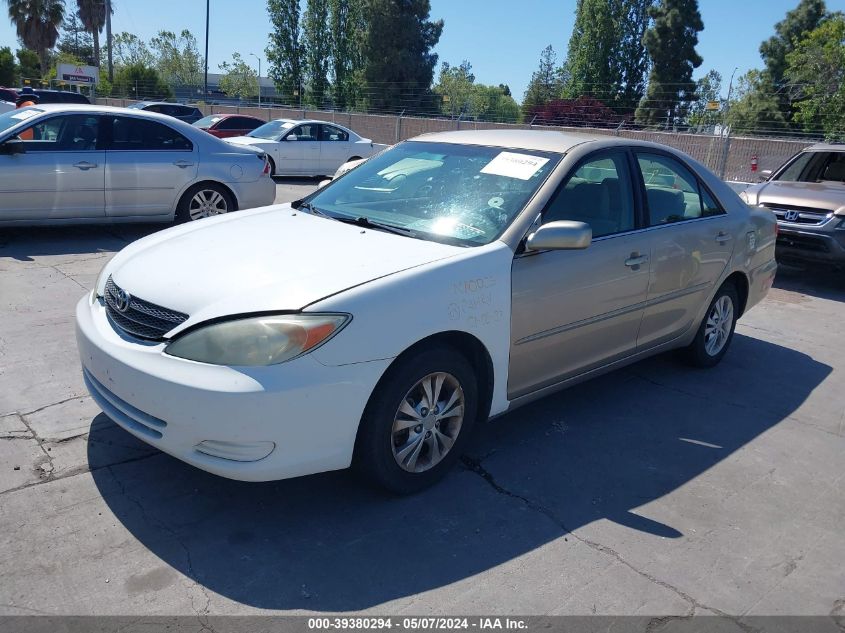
[
  {"x": 203, "y": 201},
  {"x": 417, "y": 421},
  {"x": 716, "y": 332}
]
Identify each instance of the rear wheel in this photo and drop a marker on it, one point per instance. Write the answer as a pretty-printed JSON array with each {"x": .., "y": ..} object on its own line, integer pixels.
[
  {"x": 204, "y": 201},
  {"x": 716, "y": 332},
  {"x": 417, "y": 421}
]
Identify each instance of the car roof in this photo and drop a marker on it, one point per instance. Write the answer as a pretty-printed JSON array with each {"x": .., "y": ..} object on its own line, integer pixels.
[
  {"x": 825, "y": 147},
  {"x": 98, "y": 109},
  {"x": 537, "y": 140}
]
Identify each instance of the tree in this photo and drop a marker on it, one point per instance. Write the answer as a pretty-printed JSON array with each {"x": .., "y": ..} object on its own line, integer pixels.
[
  {"x": 8, "y": 67},
  {"x": 93, "y": 16},
  {"x": 284, "y": 52},
  {"x": 592, "y": 61},
  {"x": 670, "y": 43},
  {"x": 495, "y": 103},
  {"x": 579, "y": 112},
  {"x": 756, "y": 110},
  {"x": 455, "y": 86},
  {"x": 130, "y": 49},
  {"x": 75, "y": 40},
  {"x": 346, "y": 28},
  {"x": 239, "y": 79},
  {"x": 317, "y": 49},
  {"x": 816, "y": 66},
  {"x": 802, "y": 19},
  {"x": 397, "y": 52},
  {"x": 141, "y": 82},
  {"x": 28, "y": 64},
  {"x": 707, "y": 89},
  {"x": 37, "y": 25},
  {"x": 546, "y": 82},
  {"x": 178, "y": 60},
  {"x": 633, "y": 56}
]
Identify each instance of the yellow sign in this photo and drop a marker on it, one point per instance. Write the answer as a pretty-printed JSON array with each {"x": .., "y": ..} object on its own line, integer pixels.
[{"x": 712, "y": 105}]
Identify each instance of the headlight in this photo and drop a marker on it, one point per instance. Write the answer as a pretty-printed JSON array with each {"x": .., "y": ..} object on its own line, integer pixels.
[{"x": 267, "y": 340}]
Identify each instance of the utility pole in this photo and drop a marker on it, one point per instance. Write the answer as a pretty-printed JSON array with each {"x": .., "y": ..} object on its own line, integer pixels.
[
  {"x": 109, "y": 41},
  {"x": 205, "y": 75},
  {"x": 259, "y": 77},
  {"x": 727, "y": 145}
]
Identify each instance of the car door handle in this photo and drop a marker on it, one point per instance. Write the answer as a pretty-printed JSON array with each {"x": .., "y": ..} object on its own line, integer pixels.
[
  {"x": 722, "y": 237},
  {"x": 85, "y": 165},
  {"x": 635, "y": 260},
  {"x": 183, "y": 163}
]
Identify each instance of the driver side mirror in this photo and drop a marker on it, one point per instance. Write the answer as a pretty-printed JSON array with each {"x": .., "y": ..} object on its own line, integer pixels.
[
  {"x": 766, "y": 174},
  {"x": 563, "y": 235},
  {"x": 12, "y": 147},
  {"x": 291, "y": 137}
]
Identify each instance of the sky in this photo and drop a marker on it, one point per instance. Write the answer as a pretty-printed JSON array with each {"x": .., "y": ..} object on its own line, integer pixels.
[{"x": 500, "y": 38}]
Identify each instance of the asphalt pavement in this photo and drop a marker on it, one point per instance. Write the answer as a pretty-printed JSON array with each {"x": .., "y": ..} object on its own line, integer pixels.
[{"x": 655, "y": 490}]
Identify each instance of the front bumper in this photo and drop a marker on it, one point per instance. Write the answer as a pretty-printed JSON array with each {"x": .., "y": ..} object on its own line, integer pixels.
[
  {"x": 305, "y": 412},
  {"x": 827, "y": 247}
]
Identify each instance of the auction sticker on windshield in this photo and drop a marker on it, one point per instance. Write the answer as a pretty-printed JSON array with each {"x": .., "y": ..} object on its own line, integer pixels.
[
  {"x": 513, "y": 165},
  {"x": 23, "y": 115}
]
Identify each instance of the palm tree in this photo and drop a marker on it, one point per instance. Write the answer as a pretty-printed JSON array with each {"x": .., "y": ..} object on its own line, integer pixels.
[
  {"x": 93, "y": 16},
  {"x": 37, "y": 23}
]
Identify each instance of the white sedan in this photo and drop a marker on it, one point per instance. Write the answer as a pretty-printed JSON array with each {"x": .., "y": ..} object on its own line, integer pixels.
[
  {"x": 451, "y": 278},
  {"x": 307, "y": 148}
]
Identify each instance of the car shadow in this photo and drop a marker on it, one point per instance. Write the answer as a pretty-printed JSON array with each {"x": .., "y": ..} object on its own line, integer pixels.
[
  {"x": 25, "y": 243},
  {"x": 328, "y": 543},
  {"x": 821, "y": 282}
]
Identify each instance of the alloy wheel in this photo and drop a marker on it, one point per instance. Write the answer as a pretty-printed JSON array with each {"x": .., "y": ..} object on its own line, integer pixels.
[
  {"x": 718, "y": 327},
  {"x": 206, "y": 203}
]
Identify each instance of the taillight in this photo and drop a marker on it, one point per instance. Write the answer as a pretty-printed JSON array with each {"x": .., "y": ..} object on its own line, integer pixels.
[{"x": 266, "y": 167}]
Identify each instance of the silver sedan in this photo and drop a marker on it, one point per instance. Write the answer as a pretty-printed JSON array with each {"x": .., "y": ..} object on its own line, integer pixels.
[{"x": 63, "y": 164}]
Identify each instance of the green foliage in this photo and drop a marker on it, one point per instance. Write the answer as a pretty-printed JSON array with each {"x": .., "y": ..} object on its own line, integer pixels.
[
  {"x": 8, "y": 67},
  {"x": 707, "y": 89},
  {"x": 816, "y": 66},
  {"x": 129, "y": 49},
  {"x": 317, "y": 50},
  {"x": 178, "y": 59},
  {"x": 140, "y": 82},
  {"x": 546, "y": 82},
  {"x": 37, "y": 25},
  {"x": 670, "y": 43},
  {"x": 756, "y": 109},
  {"x": 28, "y": 64},
  {"x": 284, "y": 52},
  {"x": 239, "y": 79},
  {"x": 461, "y": 97},
  {"x": 92, "y": 14},
  {"x": 347, "y": 29},
  {"x": 75, "y": 40},
  {"x": 398, "y": 58}
]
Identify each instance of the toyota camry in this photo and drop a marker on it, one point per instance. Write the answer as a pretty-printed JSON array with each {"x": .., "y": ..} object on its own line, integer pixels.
[{"x": 451, "y": 278}]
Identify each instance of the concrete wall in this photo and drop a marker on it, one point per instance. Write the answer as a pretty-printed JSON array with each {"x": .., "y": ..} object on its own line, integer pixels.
[{"x": 707, "y": 149}]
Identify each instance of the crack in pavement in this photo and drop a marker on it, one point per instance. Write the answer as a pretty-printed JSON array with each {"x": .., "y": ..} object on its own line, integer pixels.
[
  {"x": 475, "y": 466},
  {"x": 52, "y": 404},
  {"x": 202, "y": 614},
  {"x": 48, "y": 459}
]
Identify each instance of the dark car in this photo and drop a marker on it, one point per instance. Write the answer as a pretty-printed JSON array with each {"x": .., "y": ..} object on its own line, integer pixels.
[
  {"x": 226, "y": 125},
  {"x": 188, "y": 114},
  {"x": 44, "y": 96},
  {"x": 807, "y": 195}
]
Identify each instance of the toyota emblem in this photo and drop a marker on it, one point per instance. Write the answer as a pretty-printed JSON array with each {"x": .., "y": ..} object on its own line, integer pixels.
[{"x": 122, "y": 300}]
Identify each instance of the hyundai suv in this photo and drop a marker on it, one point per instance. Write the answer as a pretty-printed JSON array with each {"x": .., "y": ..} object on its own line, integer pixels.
[{"x": 807, "y": 194}]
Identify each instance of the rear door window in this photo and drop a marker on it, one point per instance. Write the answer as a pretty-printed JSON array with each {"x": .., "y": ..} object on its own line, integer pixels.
[{"x": 673, "y": 193}]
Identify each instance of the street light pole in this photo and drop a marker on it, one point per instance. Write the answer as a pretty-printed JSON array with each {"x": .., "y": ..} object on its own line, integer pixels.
[
  {"x": 205, "y": 76},
  {"x": 259, "y": 77}
]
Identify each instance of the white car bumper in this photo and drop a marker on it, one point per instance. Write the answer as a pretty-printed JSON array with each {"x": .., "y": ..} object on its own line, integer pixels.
[{"x": 258, "y": 423}]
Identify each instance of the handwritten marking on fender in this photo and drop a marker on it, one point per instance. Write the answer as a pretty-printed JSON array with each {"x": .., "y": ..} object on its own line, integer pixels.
[{"x": 474, "y": 302}]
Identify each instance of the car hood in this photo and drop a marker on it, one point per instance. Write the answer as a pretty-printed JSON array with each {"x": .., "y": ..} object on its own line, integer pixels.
[
  {"x": 270, "y": 259},
  {"x": 820, "y": 195}
]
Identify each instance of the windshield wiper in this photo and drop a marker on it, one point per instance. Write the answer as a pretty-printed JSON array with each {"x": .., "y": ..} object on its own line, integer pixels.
[{"x": 367, "y": 223}]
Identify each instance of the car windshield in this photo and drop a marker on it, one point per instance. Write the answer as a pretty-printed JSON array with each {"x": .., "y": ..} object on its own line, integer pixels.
[
  {"x": 10, "y": 119},
  {"x": 273, "y": 130},
  {"x": 207, "y": 121},
  {"x": 138, "y": 106},
  {"x": 457, "y": 194}
]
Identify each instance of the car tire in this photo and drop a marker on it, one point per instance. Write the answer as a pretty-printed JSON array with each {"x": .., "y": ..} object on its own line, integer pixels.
[
  {"x": 716, "y": 331},
  {"x": 204, "y": 200},
  {"x": 401, "y": 437}
]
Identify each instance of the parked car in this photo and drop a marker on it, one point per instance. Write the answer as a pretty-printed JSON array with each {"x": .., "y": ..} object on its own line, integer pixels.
[
  {"x": 807, "y": 194},
  {"x": 306, "y": 147},
  {"x": 8, "y": 97},
  {"x": 75, "y": 163},
  {"x": 451, "y": 278},
  {"x": 186, "y": 113},
  {"x": 228, "y": 125}
]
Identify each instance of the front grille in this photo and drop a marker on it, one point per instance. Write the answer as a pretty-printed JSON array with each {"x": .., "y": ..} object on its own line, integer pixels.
[
  {"x": 803, "y": 242},
  {"x": 807, "y": 216},
  {"x": 141, "y": 318}
]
